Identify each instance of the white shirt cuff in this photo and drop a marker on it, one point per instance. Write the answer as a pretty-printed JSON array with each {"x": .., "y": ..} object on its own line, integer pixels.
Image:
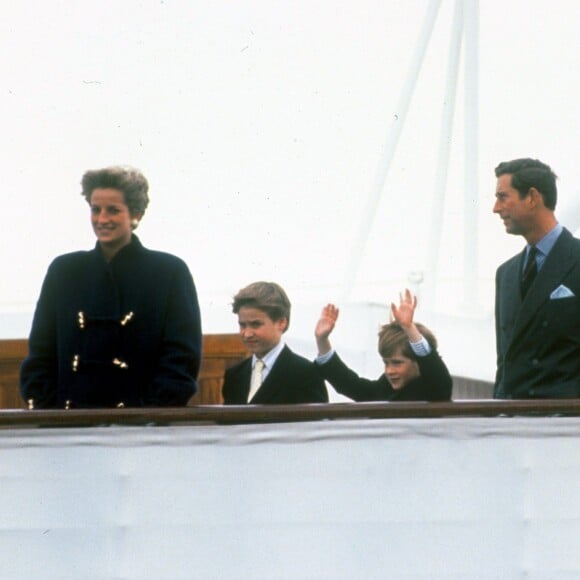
[
  {"x": 421, "y": 347},
  {"x": 324, "y": 358}
]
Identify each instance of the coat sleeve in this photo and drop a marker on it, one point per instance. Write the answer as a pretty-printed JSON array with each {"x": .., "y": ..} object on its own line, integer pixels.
[
  {"x": 227, "y": 388},
  {"x": 39, "y": 370},
  {"x": 348, "y": 383},
  {"x": 232, "y": 387},
  {"x": 174, "y": 381},
  {"x": 312, "y": 387},
  {"x": 436, "y": 382}
]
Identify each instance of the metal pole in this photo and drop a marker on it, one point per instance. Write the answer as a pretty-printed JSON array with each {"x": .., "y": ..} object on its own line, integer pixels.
[
  {"x": 442, "y": 168},
  {"x": 471, "y": 193},
  {"x": 389, "y": 149}
]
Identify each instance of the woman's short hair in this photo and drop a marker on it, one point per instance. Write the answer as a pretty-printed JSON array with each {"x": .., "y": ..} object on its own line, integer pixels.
[
  {"x": 130, "y": 181},
  {"x": 392, "y": 339}
]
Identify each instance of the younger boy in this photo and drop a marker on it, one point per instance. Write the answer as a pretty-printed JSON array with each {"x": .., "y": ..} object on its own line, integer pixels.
[
  {"x": 414, "y": 370},
  {"x": 274, "y": 375}
]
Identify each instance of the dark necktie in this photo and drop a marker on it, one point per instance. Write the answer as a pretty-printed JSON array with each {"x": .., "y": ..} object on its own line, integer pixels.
[{"x": 530, "y": 271}]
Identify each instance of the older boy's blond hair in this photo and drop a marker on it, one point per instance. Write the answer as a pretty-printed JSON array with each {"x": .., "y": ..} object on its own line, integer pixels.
[{"x": 266, "y": 296}]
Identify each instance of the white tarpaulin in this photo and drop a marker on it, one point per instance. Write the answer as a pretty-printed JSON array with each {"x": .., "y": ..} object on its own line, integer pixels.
[{"x": 448, "y": 498}]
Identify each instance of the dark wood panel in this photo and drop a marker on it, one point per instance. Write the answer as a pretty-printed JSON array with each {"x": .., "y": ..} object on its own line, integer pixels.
[
  {"x": 12, "y": 353},
  {"x": 220, "y": 351}
]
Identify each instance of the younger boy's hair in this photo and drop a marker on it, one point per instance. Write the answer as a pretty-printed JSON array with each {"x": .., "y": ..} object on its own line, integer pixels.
[
  {"x": 392, "y": 338},
  {"x": 266, "y": 296}
]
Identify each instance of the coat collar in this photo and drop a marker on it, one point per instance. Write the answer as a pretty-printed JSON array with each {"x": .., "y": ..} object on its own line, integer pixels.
[{"x": 133, "y": 248}]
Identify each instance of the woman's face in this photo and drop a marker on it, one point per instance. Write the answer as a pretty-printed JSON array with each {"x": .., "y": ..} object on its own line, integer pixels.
[{"x": 111, "y": 219}]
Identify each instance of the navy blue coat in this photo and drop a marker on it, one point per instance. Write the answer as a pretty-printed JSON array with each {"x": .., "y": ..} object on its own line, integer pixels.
[{"x": 127, "y": 331}]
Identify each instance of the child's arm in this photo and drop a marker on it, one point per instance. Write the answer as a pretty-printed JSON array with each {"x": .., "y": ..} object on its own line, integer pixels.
[
  {"x": 403, "y": 314},
  {"x": 324, "y": 327}
]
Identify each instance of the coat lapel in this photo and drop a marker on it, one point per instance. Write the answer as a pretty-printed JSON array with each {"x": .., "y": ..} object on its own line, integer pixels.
[{"x": 513, "y": 297}]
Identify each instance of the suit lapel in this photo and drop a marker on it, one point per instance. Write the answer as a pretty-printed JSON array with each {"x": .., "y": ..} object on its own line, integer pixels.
[
  {"x": 557, "y": 265},
  {"x": 513, "y": 297},
  {"x": 275, "y": 378}
]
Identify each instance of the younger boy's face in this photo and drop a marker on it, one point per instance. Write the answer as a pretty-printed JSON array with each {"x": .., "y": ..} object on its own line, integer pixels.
[
  {"x": 259, "y": 332},
  {"x": 399, "y": 369}
]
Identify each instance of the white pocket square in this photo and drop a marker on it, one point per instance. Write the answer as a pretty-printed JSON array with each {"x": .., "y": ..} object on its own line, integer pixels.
[{"x": 561, "y": 292}]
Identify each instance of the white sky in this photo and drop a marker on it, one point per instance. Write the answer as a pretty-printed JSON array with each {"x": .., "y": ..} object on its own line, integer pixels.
[{"x": 259, "y": 125}]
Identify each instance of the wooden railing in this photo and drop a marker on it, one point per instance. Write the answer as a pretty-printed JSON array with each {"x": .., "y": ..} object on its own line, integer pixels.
[
  {"x": 220, "y": 351},
  {"x": 218, "y": 414}
]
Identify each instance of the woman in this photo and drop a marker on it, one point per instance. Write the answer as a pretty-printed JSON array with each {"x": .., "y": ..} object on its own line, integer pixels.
[{"x": 117, "y": 326}]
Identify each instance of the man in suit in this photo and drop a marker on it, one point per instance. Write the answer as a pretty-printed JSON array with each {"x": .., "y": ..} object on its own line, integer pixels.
[
  {"x": 537, "y": 306},
  {"x": 274, "y": 375}
]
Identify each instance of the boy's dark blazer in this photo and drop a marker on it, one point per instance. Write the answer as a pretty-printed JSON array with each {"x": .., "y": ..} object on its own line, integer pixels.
[
  {"x": 433, "y": 384},
  {"x": 293, "y": 379},
  {"x": 538, "y": 339}
]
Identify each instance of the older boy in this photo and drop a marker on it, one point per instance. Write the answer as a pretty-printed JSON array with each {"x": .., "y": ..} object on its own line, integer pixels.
[
  {"x": 414, "y": 370},
  {"x": 274, "y": 375}
]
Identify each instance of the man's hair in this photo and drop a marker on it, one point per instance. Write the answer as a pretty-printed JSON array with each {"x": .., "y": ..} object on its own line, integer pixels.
[
  {"x": 527, "y": 173},
  {"x": 392, "y": 338},
  {"x": 266, "y": 296},
  {"x": 128, "y": 180}
]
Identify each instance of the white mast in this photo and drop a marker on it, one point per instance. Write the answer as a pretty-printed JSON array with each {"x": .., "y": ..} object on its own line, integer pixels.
[
  {"x": 464, "y": 27},
  {"x": 471, "y": 159},
  {"x": 389, "y": 149},
  {"x": 442, "y": 167}
]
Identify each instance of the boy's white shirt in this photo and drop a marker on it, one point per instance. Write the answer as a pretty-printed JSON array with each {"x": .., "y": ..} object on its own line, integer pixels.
[{"x": 269, "y": 359}]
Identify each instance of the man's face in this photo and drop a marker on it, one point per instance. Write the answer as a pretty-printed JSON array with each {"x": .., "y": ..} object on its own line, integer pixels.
[
  {"x": 259, "y": 332},
  {"x": 515, "y": 212}
]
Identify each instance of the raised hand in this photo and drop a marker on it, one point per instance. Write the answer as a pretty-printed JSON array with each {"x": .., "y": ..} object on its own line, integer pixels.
[
  {"x": 326, "y": 322},
  {"x": 324, "y": 327},
  {"x": 404, "y": 312}
]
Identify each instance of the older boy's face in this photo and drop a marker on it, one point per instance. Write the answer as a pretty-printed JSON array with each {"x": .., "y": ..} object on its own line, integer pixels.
[
  {"x": 399, "y": 370},
  {"x": 258, "y": 331}
]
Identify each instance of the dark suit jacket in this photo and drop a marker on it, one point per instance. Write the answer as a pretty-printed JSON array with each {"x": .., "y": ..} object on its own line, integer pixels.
[
  {"x": 434, "y": 384},
  {"x": 538, "y": 340},
  {"x": 293, "y": 379}
]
